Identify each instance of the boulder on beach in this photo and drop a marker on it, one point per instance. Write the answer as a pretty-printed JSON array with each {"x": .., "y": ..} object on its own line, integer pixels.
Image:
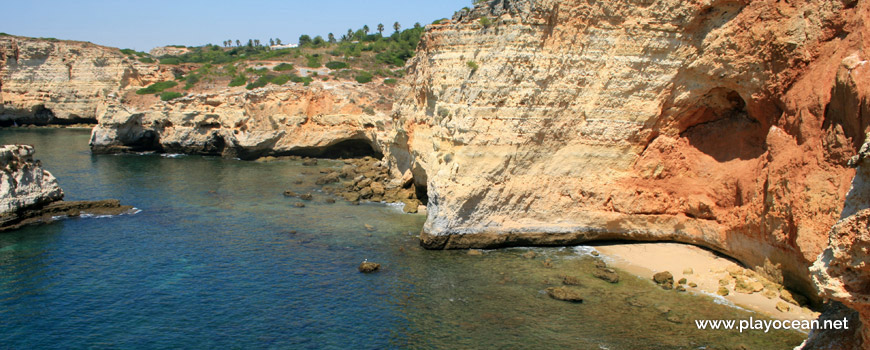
[
  {"x": 309, "y": 161},
  {"x": 664, "y": 279}
]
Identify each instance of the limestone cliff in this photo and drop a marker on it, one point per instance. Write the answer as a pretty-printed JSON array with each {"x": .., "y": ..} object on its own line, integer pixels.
[
  {"x": 49, "y": 81},
  {"x": 23, "y": 181},
  {"x": 718, "y": 123},
  {"x": 323, "y": 119},
  {"x": 841, "y": 272}
]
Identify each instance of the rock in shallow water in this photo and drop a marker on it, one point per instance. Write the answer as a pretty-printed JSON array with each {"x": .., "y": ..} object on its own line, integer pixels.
[
  {"x": 565, "y": 294},
  {"x": 368, "y": 267},
  {"x": 606, "y": 274},
  {"x": 664, "y": 279}
]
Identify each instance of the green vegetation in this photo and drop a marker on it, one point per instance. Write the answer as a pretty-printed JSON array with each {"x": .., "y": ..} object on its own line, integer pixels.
[
  {"x": 443, "y": 112},
  {"x": 170, "y": 60},
  {"x": 283, "y": 67},
  {"x": 485, "y": 22},
  {"x": 168, "y": 95},
  {"x": 191, "y": 80},
  {"x": 313, "y": 61},
  {"x": 363, "y": 77},
  {"x": 336, "y": 65},
  {"x": 359, "y": 55},
  {"x": 238, "y": 80},
  {"x": 157, "y": 87},
  {"x": 472, "y": 65},
  {"x": 304, "y": 80},
  {"x": 132, "y": 52}
]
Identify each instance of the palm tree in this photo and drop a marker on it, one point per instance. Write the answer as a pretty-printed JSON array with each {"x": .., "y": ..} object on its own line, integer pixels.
[
  {"x": 277, "y": 41},
  {"x": 397, "y": 26},
  {"x": 381, "y": 28},
  {"x": 257, "y": 42},
  {"x": 350, "y": 34},
  {"x": 331, "y": 37},
  {"x": 271, "y": 42},
  {"x": 238, "y": 43},
  {"x": 366, "y": 29},
  {"x": 417, "y": 25}
]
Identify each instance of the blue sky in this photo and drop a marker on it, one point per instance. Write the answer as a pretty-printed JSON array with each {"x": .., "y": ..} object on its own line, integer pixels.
[{"x": 144, "y": 24}]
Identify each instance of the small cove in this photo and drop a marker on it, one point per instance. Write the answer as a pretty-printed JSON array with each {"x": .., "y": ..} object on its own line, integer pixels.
[{"x": 212, "y": 261}]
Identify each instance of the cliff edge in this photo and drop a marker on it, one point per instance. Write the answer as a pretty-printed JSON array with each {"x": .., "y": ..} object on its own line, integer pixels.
[{"x": 724, "y": 124}]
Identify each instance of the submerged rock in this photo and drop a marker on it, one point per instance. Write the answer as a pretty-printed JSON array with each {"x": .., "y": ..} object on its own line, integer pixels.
[
  {"x": 571, "y": 281},
  {"x": 309, "y": 161},
  {"x": 565, "y": 294},
  {"x": 606, "y": 274},
  {"x": 368, "y": 267},
  {"x": 530, "y": 255}
]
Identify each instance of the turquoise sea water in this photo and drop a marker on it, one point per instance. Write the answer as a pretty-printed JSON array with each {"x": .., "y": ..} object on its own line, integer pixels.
[{"x": 212, "y": 261}]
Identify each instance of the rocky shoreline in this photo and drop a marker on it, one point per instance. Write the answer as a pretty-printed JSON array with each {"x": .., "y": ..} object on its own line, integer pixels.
[
  {"x": 363, "y": 179},
  {"x": 61, "y": 209},
  {"x": 30, "y": 195}
]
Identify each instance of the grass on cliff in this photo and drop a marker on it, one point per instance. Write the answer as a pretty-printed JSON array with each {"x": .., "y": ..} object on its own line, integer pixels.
[
  {"x": 156, "y": 87},
  {"x": 169, "y": 95}
]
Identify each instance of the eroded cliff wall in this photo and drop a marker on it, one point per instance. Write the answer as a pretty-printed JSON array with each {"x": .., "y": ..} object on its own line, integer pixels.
[
  {"x": 23, "y": 181},
  {"x": 49, "y": 81},
  {"x": 329, "y": 119},
  {"x": 726, "y": 124}
]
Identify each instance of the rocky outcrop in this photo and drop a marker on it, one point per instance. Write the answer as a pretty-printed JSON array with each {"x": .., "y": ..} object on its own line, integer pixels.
[
  {"x": 841, "y": 272},
  {"x": 23, "y": 181},
  {"x": 29, "y": 194},
  {"x": 723, "y": 124},
  {"x": 49, "y": 81},
  {"x": 325, "y": 119}
]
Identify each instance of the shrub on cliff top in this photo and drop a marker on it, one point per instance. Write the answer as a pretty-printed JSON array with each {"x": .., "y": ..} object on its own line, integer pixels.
[
  {"x": 156, "y": 87},
  {"x": 170, "y": 60},
  {"x": 314, "y": 61},
  {"x": 283, "y": 67},
  {"x": 390, "y": 81},
  {"x": 168, "y": 95},
  {"x": 363, "y": 77},
  {"x": 146, "y": 60},
  {"x": 336, "y": 65},
  {"x": 238, "y": 80}
]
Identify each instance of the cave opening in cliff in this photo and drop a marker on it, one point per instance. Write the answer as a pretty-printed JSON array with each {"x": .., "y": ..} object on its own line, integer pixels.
[
  {"x": 721, "y": 127},
  {"x": 40, "y": 115},
  {"x": 354, "y": 148}
]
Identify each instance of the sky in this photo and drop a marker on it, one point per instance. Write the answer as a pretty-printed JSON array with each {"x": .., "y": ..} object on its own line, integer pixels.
[{"x": 145, "y": 24}]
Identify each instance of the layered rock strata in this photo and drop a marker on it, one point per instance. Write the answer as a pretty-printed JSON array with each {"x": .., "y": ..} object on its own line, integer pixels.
[
  {"x": 842, "y": 271},
  {"x": 29, "y": 194},
  {"x": 49, "y": 81},
  {"x": 725, "y": 124},
  {"x": 325, "y": 119}
]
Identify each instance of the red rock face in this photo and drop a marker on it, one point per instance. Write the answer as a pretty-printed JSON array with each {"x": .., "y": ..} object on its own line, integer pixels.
[{"x": 726, "y": 124}]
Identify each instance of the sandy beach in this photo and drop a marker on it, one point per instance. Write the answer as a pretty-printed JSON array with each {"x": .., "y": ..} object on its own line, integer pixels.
[{"x": 707, "y": 269}]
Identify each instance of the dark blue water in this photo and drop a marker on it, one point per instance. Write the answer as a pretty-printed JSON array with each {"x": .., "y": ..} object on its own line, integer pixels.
[{"x": 211, "y": 261}]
